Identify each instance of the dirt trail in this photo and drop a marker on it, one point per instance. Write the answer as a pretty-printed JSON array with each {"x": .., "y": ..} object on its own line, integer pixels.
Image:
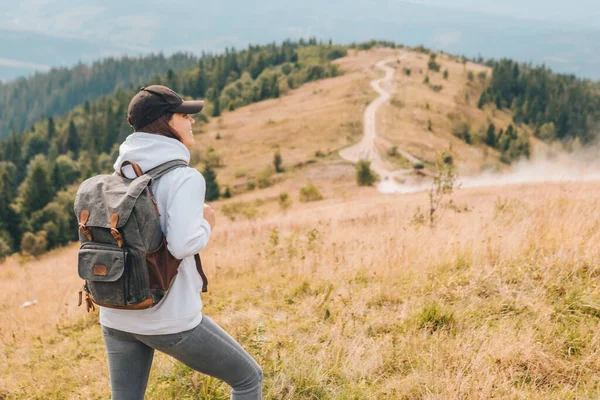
[
  {"x": 580, "y": 166},
  {"x": 365, "y": 149}
]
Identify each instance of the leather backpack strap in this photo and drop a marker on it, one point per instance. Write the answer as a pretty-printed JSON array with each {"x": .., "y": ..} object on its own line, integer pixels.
[
  {"x": 201, "y": 272},
  {"x": 138, "y": 171}
]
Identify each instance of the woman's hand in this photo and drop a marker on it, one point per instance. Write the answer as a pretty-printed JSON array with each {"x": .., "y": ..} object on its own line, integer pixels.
[{"x": 209, "y": 215}]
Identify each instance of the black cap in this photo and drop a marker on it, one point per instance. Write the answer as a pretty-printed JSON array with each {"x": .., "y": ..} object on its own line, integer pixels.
[{"x": 154, "y": 101}]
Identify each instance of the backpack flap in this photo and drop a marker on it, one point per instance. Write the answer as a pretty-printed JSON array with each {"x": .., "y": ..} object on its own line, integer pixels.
[
  {"x": 104, "y": 195},
  {"x": 101, "y": 263}
]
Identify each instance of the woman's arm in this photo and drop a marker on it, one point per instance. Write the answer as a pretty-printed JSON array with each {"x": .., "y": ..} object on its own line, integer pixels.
[{"x": 187, "y": 230}]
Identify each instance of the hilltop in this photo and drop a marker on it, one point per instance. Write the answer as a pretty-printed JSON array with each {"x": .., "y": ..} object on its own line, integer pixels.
[{"x": 312, "y": 124}]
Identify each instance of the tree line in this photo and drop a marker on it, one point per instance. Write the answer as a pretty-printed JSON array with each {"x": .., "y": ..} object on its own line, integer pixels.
[
  {"x": 558, "y": 106},
  {"x": 41, "y": 167},
  {"x": 26, "y": 100}
]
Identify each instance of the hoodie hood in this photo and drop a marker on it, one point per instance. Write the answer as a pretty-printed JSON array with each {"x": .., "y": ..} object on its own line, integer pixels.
[{"x": 148, "y": 151}]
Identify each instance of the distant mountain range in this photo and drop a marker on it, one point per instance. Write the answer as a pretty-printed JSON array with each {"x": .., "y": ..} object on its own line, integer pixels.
[{"x": 40, "y": 34}]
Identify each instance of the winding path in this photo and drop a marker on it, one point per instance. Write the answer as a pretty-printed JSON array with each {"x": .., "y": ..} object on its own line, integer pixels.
[{"x": 365, "y": 149}]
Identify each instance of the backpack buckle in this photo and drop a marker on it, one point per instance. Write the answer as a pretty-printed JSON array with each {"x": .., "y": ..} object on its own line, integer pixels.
[
  {"x": 85, "y": 231},
  {"x": 117, "y": 235},
  {"x": 114, "y": 219},
  {"x": 84, "y": 215}
]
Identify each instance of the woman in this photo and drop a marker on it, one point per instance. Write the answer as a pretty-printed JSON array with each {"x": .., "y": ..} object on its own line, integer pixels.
[{"x": 176, "y": 326}]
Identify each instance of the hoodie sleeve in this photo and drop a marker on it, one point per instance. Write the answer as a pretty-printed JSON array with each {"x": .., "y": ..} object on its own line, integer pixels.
[{"x": 187, "y": 230}]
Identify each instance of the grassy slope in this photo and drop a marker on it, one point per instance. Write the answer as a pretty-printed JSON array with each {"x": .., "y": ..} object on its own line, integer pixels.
[{"x": 351, "y": 297}]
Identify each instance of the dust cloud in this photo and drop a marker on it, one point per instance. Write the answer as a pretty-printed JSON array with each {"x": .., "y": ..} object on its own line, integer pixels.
[{"x": 579, "y": 166}]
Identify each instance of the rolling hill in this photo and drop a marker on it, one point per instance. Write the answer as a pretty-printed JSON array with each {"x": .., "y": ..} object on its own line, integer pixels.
[{"x": 355, "y": 295}]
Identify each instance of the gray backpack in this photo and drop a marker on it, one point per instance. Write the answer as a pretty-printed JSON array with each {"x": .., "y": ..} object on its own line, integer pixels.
[{"x": 123, "y": 256}]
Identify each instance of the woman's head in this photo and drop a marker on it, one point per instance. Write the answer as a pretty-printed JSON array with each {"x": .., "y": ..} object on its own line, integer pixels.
[
  {"x": 159, "y": 110},
  {"x": 173, "y": 125}
]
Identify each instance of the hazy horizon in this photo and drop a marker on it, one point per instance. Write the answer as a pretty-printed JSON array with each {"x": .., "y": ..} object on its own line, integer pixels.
[{"x": 40, "y": 34}]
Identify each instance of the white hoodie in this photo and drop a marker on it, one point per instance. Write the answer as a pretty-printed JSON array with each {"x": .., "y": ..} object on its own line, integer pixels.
[{"x": 180, "y": 198}]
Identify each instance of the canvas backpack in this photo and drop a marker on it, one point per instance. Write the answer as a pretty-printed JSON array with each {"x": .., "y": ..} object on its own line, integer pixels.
[{"x": 123, "y": 255}]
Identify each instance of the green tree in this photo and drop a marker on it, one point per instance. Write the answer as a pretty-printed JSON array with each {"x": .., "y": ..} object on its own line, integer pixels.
[
  {"x": 216, "y": 107},
  {"x": 364, "y": 175},
  {"x": 73, "y": 142},
  {"x": 51, "y": 129},
  {"x": 38, "y": 190},
  {"x": 431, "y": 64},
  {"x": 84, "y": 163},
  {"x": 34, "y": 244},
  {"x": 57, "y": 220},
  {"x": 35, "y": 144},
  {"x": 202, "y": 82},
  {"x": 9, "y": 218},
  {"x": 490, "y": 136},
  {"x": 110, "y": 128},
  {"x": 64, "y": 172},
  {"x": 56, "y": 178},
  {"x": 212, "y": 187},
  {"x": 277, "y": 162}
]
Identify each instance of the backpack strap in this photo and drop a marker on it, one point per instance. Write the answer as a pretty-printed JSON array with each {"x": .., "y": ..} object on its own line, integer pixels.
[
  {"x": 136, "y": 168},
  {"x": 201, "y": 272},
  {"x": 156, "y": 173},
  {"x": 162, "y": 169}
]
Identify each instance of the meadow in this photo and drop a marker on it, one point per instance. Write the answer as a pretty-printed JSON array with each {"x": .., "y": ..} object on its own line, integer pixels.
[
  {"x": 354, "y": 296},
  {"x": 357, "y": 298}
]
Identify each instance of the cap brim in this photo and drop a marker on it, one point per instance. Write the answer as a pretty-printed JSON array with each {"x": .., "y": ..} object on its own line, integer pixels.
[{"x": 190, "y": 107}]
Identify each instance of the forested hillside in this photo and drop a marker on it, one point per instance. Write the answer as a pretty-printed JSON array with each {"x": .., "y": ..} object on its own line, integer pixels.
[
  {"x": 558, "y": 106},
  {"x": 37, "y": 166},
  {"x": 41, "y": 166},
  {"x": 24, "y": 101}
]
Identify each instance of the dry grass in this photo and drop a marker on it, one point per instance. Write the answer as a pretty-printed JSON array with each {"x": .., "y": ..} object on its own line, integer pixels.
[
  {"x": 404, "y": 121},
  {"x": 348, "y": 299},
  {"x": 319, "y": 116},
  {"x": 351, "y": 297}
]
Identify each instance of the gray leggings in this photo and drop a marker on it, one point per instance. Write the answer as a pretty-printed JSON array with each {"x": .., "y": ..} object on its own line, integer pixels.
[{"x": 207, "y": 348}]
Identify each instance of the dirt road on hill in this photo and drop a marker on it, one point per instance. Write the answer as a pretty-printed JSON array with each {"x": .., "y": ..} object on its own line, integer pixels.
[
  {"x": 365, "y": 149},
  {"x": 579, "y": 166}
]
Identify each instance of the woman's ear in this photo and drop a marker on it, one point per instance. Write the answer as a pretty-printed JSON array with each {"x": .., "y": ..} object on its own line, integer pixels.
[{"x": 130, "y": 124}]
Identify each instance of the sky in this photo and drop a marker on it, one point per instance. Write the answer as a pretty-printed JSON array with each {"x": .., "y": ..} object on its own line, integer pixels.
[
  {"x": 575, "y": 12},
  {"x": 36, "y": 35}
]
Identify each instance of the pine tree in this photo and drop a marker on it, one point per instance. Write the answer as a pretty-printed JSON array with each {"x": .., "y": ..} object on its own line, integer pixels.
[
  {"x": 110, "y": 127},
  {"x": 277, "y": 161},
  {"x": 212, "y": 187},
  {"x": 217, "y": 106},
  {"x": 490, "y": 136},
  {"x": 172, "y": 80},
  {"x": 201, "y": 84},
  {"x": 57, "y": 178},
  {"x": 51, "y": 129},
  {"x": 38, "y": 188},
  {"x": 9, "y": 218},
  {"x": 73, "y": 142}
]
